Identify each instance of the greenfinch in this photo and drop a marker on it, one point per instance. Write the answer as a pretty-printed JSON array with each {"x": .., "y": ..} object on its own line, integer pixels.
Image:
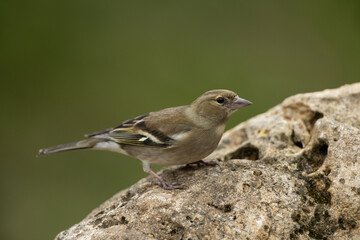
[{"x": 172, "y": 136}]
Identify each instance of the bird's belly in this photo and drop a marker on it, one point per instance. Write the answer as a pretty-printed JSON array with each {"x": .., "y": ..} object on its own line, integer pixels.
[{"x": 176, "y": 155}]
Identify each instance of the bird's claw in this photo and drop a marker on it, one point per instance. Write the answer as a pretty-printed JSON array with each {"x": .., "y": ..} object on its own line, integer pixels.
[
  {"x": 169, "y": 186},
  {"x": 203, "y": 163}
]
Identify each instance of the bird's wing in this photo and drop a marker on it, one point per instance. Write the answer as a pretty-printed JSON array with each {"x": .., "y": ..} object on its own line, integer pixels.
[
  {"x": 126, "y": 124},
  {"x": 154, "y": 129},
  {"x": 140, "y": 134}
]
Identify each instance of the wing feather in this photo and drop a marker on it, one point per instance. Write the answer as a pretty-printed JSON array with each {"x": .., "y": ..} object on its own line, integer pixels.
[
  {"x": 153, "y": 129},
  {"x": 140, "y": 135}
]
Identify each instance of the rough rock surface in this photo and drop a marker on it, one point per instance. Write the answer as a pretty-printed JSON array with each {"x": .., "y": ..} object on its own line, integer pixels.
[{"x": 290, "y": 173}]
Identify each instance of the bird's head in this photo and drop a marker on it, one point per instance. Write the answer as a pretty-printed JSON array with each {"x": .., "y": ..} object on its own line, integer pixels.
[{"x": 218, "y": 105}]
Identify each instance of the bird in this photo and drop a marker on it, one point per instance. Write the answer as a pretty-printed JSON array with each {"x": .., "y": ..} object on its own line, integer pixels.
[{"x": 172, "y": 136}]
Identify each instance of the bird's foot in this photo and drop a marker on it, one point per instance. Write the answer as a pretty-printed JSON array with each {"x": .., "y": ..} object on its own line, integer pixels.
[
  {"x": 203, "y": 163},
  {"x": 162, "y": 183},
  {"x": 169, "y": 186}
]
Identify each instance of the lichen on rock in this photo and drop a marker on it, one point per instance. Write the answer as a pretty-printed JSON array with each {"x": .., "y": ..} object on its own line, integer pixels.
[{"x": 290, "y": 173}]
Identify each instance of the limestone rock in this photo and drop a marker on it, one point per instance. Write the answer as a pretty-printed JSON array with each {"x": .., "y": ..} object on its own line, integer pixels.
[{"x": 290, "y": 173}]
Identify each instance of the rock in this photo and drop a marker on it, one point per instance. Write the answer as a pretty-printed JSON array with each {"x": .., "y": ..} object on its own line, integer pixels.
[{"x": 290, "y": 173}]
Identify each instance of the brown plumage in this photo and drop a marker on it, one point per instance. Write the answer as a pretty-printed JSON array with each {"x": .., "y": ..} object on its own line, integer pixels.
[{"x": 173, "y": 136}]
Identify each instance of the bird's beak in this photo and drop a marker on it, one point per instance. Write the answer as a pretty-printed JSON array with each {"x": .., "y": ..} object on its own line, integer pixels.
[{"x": 239, "y": 103}]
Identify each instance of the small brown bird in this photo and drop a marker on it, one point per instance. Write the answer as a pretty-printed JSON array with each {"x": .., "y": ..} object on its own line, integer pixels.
[{"x": 172, "y": 136}]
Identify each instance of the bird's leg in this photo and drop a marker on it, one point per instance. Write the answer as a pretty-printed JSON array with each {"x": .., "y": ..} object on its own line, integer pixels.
[
  {"x": 162, "y": 182},
  {"x": 201, "y": 162}
]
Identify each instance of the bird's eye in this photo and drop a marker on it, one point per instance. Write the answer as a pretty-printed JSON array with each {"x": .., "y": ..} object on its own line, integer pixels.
[{"x": 220, "y": 100}]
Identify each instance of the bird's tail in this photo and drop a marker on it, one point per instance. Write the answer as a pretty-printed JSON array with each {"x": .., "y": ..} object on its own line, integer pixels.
[{"x": 83, "y": 144}]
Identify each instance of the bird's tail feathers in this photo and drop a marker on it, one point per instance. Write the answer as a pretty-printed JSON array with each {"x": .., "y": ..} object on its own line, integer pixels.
[{"x": 83, "y": 144}]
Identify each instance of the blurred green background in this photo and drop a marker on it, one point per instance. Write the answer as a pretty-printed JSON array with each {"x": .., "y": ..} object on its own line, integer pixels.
[{"x": 73, "y": 67}]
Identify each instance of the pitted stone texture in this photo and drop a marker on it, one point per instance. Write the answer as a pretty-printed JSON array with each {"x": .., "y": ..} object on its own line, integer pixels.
[{"x": 290, "y": 173}]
